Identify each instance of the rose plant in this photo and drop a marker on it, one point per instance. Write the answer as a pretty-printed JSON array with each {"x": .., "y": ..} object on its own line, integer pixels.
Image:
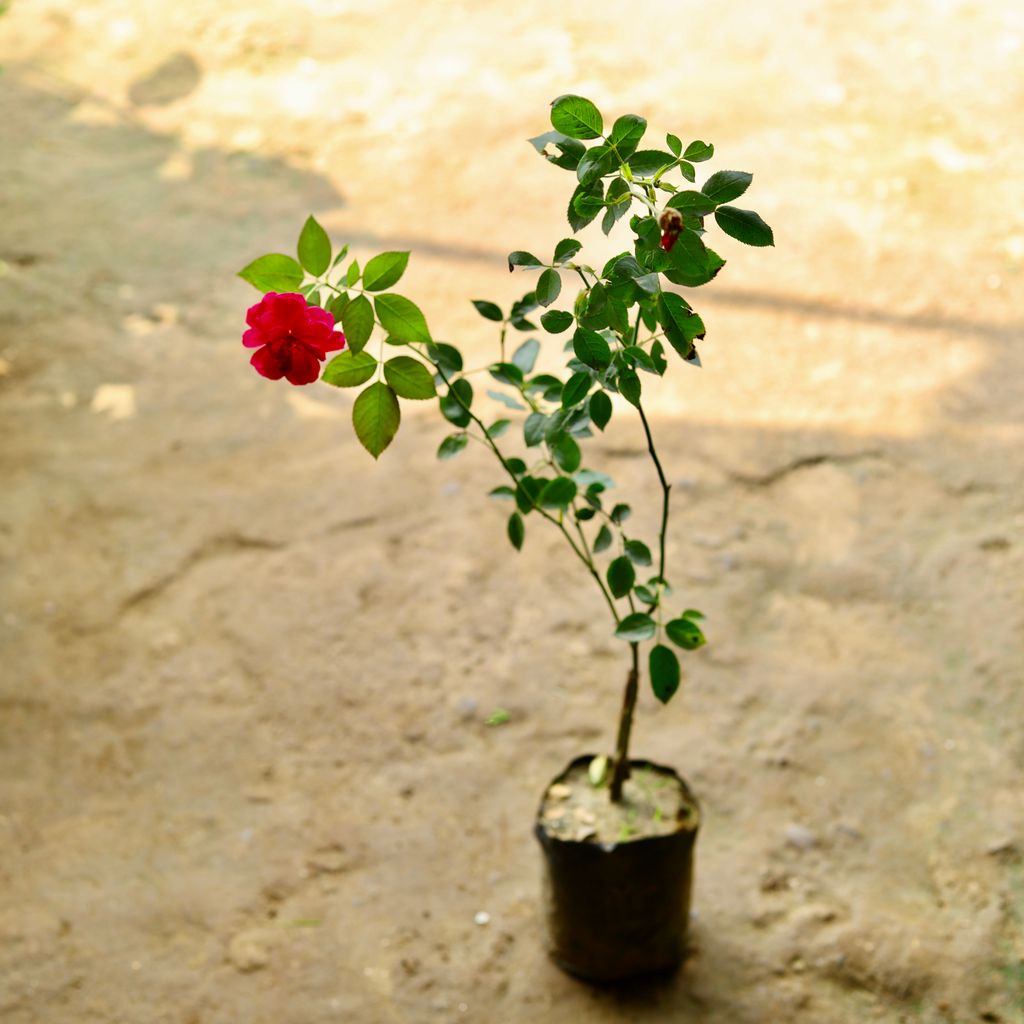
[{"x": 623, "y": 322}]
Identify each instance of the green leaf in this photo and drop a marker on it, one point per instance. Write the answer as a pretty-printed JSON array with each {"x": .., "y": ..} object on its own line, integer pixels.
[
  {"x": 499, "y": 716},
  {"x": 629, "y": 386},
  {"x": 658, "y": 358},
  {"x": 575, "y": 390},
  {"x": 554, "y": 321},
  {"x": 516, "y": 530},
  {"x": 695, "y": 203},
  {"x": 357, "y": 323},
  {"x": 314, "y": 247},
  {"x": 673, "y": 143},
  {"x": 448, "y": 357},
  {"x": 626, "y": 134},
  {"x": 620, "y": 513},
  {"x": 566, "y": 249},
  {"x": 506, "y": 373},
  {"x": 352, "y": 274},
  {"x": 636, "y": 627},
  {"x": 274, "y": 272},
  {"x": 569, "y": 150},
  {"x": 558, "y": 493},
  {"x": 600, "y": 408},
  {"x": 682, "y": 325},
  {"x": 349, "y": 369},
  {"x": 503, "y": 491},
  {"x": 455, "y": 405},
  {"x": 549, "y": 285},
  {"x": 699, "y": 151},
  {"x": 527, "y": 492},
  {"x": 533, "y": 429},
  {"x": 409, "y": 378},
  {"x": 591, "y": 348},
  {"x": 452, "y": 445},
  {"x": 664, "y": 669},
  {"x": 336, "y": 307},
  {"x": 566, "y": 452},
  {"x": 498, "y": 427},
  {"x": 595, "y": 163},
  {"x": 685, "y": 633},
  {"x": 725, "y": 186},
  {"x": 505, "y": 400},
  {"x": 619, "y": 199},
  {"x": 744, "y": 225},
  {"x": 522, "y": 259},
  {"x": 401, "y": 318},
  {"x": 384, "y": 270},
  {"x": 376, "y": 416},
  {"x": 576, "y": 117},
  {"x": 646, "y": 162},
  {"x": 488, "y": 310},
  {"x": 603, "y": 539},
  {"x": 526, "y": 355},
  {"x": 638, "y": 552},
  {"x": 691, "y": 263},
  {"x": 585, "y": 204},
  {"x": 621, "y": 576}
]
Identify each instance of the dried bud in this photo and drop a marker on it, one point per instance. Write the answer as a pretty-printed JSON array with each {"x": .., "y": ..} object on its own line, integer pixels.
[{"x": 671, "y": 223}]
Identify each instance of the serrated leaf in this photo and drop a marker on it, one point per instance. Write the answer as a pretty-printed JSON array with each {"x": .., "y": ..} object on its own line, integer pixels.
[
  {"x": 526, "y": 355},
  {"x": 452, "y": 445},
  {"x": 349, "y": 369},
  {"x": 274, "y": 272},
  {"x": 448, "y": 357},
  {"x": 549, "y": 285},
  {"x": 595, "y": 163},
  {"x": 600, "y": 408},
  {"x": 744, "y": 225},
  {"x": 699, "y": 151},
  {"x": 575, "y": 390},
  {"x": 619, "y": 200},
  {"x": 591, "y": 348},
  {"x": 376, "y": 416},
  {"x": 626, "y": 134},
  {"x": 691, "y": 263},
  {"x": 673, "y": 143},
  {"x": 533, "y": 429},
  {"x": 638, "y": 552},
  {"x": 566, "y": 453},
  {"x": 357, "y": 323},
  {"x": 585, "y": 204},
  {"x": 516, "y": 530},
  {"x": 695, "y": 203},
  {"x": 685, "y": 633},
  {"x": 558, "y": 493},
  {"x": 682, "y": 326},
  {"x": 519, "y": 258},
  {"x": 352, "y": 274},
  {"x": 603, "y": 539},
  {"x": 636, "y": 627},
  {"x": 401, "y": 318},
  {"x": 554, "y": 321},
  {"x": 576, "y": 117},
  {"x": 384, "y": 270},
  {"x": 629, "y": 386},
  {"x": 455, "y": 405},
  {"x": 569, "y": 150},
  {"x": 314, "y": 247},
  {"x": 566, "y": 249},
  {"x": 664, "y": 670},
  {"x": 488, "y": 310},
  {"x": 646, "y": 162},
  {"x": 409, "y": 378},
  {"x": 621, "y": 576},
  {"x": 725, "y": 186}
]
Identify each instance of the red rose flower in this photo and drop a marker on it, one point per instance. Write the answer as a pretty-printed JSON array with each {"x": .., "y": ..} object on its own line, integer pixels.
[{"x": 292, "y": 338}]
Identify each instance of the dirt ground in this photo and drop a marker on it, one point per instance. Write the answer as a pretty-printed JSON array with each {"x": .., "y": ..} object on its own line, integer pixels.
[{"x": 245, "y": 773}]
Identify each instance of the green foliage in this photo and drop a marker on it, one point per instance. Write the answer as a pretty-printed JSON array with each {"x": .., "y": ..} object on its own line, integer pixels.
[
  {"x": 401, "y": 318},
  {"x": 576, "y": 117},
  {"x": 357, "y": 323},
  {"x": 349, "y": 369},
  {"x": 744, "y": 225},
  {"x": 636, "y": 627},
  {"x": 663, "y": 666},
  {"x": 724, "y": 186},
  {"x": 488, "y": 310},
  {"x": 549, "y": 284},
  {"x": 375, "y": 417},
  {"x": 621, "y": 576},
  {"x": 274, "y": 272},
  {"x": 314, "y": 248},
  {"x": 384, "y": 270},
  {"x": 409, "y": 378},
  {"x": 516, "y": 530}
]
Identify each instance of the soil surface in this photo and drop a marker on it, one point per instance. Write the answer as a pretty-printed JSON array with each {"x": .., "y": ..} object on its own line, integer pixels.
[{"x": 245, "y": 770}]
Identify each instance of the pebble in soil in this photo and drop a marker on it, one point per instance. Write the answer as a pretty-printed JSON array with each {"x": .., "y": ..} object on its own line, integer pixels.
[{"x": 653, "y": 803}]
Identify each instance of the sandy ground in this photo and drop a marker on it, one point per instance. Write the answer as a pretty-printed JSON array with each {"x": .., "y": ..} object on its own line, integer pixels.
[{"x": 244, "y": 770}]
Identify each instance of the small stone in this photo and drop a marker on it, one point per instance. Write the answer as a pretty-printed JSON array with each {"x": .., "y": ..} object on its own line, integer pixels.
[
  {"x": 585, "y": 817},
  {"x": 559, "y": 791},
  {"x": 331, "y": 860},
  {"x": 250, "y": 950},
  {"x": 800, "y": 837},
  {"x": 482, "y": 918},
  {"x": 1003, "y": 848}
]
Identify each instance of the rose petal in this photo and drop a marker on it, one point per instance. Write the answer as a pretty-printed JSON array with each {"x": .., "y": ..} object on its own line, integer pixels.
[
  {"x": 303, "y": 367},
  {"x": 336, "y": 341},
  {"x": 254, "y": 337},
  {"x": 268, "y": 362}
]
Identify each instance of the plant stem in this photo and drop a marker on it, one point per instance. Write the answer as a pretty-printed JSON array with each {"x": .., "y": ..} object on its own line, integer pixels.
[
  {"x": 665, "y": 488},
  {"x": 620, "y": 770}
]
